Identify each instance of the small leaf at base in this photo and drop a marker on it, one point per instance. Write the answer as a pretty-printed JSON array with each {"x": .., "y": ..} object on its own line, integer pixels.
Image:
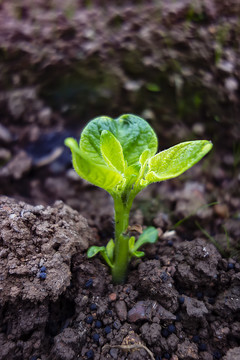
[
  {"x": 110, "y": 249},
  {"x": 94, "y": 250},
  {"x": 131, "y": 243},
  {"x": 149, "y": 236},
  {"x": 138, "y": 254}
]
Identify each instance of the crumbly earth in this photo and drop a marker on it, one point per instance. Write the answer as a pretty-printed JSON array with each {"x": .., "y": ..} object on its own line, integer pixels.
[
  {"x": 183, "y": 302},
  {"x": 175, "y": 64},
  {"x": 33, "y": 237}
]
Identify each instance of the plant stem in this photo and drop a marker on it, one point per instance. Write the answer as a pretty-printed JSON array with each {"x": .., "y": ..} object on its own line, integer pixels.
[{"x": 121, "y": 251}]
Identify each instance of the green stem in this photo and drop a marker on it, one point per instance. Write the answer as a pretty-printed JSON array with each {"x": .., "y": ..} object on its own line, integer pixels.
[{"x": 121, "y": 250}]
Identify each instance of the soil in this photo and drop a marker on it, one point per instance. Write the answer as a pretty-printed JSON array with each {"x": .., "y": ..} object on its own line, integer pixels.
[{"x": 182, "y": 300}]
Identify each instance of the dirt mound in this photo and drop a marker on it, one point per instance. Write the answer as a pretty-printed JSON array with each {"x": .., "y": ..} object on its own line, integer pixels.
[{"x": 56, "y": 304}]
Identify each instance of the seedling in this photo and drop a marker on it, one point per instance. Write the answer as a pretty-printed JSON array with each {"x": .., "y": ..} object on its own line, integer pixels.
[{"x": 119, "y": 155}]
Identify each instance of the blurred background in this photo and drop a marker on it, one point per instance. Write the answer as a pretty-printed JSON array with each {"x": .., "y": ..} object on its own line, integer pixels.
[{"x": 174, "y": 63}]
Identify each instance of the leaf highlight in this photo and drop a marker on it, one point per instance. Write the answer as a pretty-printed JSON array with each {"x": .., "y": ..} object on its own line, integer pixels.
[{"x": 174, "y": 161}]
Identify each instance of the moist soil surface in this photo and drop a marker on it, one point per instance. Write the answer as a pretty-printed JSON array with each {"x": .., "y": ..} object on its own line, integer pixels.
[{"x": 180, "y": 301}]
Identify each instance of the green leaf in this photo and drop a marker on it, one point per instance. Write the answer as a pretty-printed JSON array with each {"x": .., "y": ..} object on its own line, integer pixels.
[
  {"x": 131, "y": 243},
  {"x": 90, "y": 137},
  {"x": 149, "y": 236},
  {"x": 174, "y": 161},
  {"x": 110, "y": 249},
  {"x": 134, "y": 134},
  {"x": 144, "y": 156},
  {"x": 96, "y": 174},
  {"x": 153, "y": 87},
  {"x": 105, "y": 257},
  {"x": 112, "y": 151},
  {"x": 138, "y": 254},
  {"x": 94, "y": 250}
]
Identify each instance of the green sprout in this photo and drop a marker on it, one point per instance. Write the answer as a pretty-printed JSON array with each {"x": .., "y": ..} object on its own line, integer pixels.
[{"x": 119, "y": 155}]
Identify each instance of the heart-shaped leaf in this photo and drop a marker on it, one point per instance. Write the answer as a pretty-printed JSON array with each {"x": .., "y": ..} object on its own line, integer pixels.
[{"x": 133, "y": 133}]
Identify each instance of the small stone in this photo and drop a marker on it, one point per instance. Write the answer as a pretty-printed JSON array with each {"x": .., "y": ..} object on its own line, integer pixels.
[
  {"x": 225, "y": 66},
  {"x": 231, "y": 84},
  {"x": 114, "y": 353},
  {"x": 5, "y": 156},
  {"x": 44, "y": 116},
  {"x": 148, "y": 114},
  {"x": 72, "y": 175},
  {"x": 50, "y": 159},
  {"x": 138, "y": 312},
  {"x": 89, "y": 354},
  {"x": 5, "y": 135},
  {"x": 16, "y": 105},
  {"x": 169, "y": 234},
  {"x": 164, "y": 276},
  {"x": 107, "y": 329},
  {"x": 96, "y": 337},
  {"x": 89, "y": 320},
  {"x": 133, "y": 85},
  {"x": 171, "y": 328},
  {"x": 117, "y": 324},
  {"x": 42, "y": 276},
  {"x": 98, "y": 324},
  {"x": 17, "y": 166},
  {"x": 151, "y": 333},
  {"x": 181, "y": 300},
  {"x": 121, "y": 310},
  {"x": 93, "y": 307},
  {"x": 221, "y": 210},
  {"x": 187, "y": 351},
  {"x": 88, "y": 283},
  {"x": 230, "y": 266},
  {"x": 195, "y": 308},
  {"x": 112, "y": 297},
  {"x": 198, "y": 128},
  {"x": 164, "y": 315}
]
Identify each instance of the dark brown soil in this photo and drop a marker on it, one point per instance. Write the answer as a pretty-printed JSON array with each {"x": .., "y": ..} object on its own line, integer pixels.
[
  {"x": 182, "y": 300},
  {"x": 175, "y": 64}
]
